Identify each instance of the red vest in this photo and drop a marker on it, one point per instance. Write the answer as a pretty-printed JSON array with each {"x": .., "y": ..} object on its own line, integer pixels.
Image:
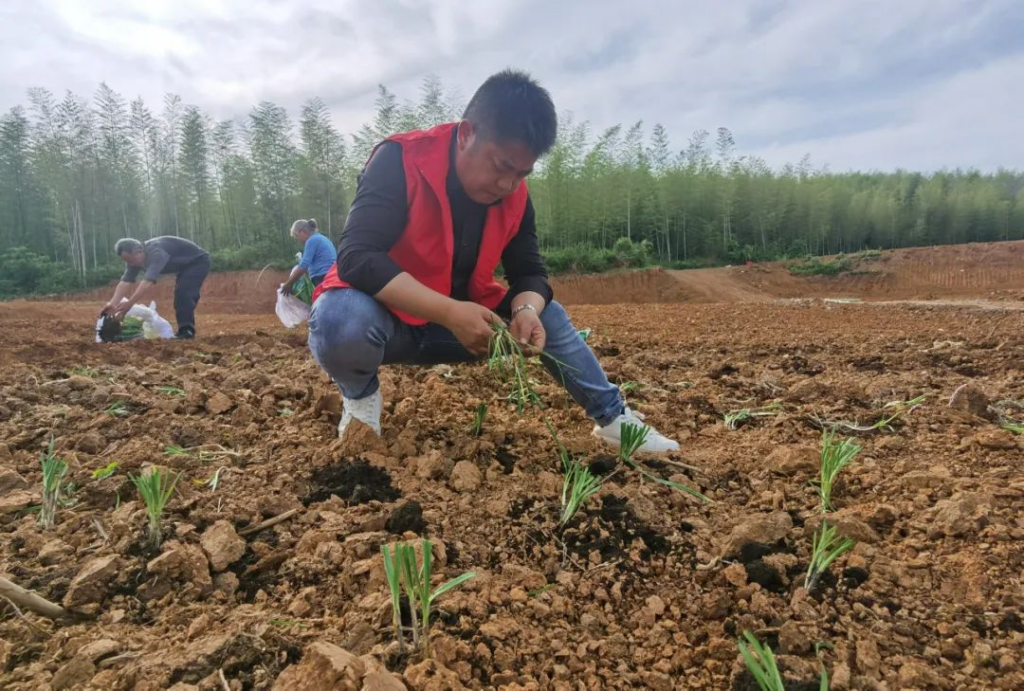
[{"x": 425, "y": 250}]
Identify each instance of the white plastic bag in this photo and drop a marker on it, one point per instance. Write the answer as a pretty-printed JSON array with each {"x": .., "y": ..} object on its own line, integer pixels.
[
  {"x": 291, "y": 310},
  {"x": 153, "y": 325}
]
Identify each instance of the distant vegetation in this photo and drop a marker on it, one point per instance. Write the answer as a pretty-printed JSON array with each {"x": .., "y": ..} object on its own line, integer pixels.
[{"x": 77, "y": 174}]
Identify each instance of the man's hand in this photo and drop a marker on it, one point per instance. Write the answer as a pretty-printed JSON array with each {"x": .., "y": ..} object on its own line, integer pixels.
[
  {"x": 528, "y": 331},
  {"x": 286, "y": 289},
  {"x": 471, "y": 324},
  {"x": 107, "y": 309},
  {"x": 120, "y": 311}
]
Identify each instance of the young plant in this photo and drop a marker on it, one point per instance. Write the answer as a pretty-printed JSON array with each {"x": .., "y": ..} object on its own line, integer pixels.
[
  {"x": 1016, "y": 428},
  {"x": 825, "y": 549},
  {"x": 734, "y": 418},
  {"x": 392, "y": 560},
  {"x": 630, "y": 387},
  {"x": 761, "y": 663},
  {"x": 478, "y": 421},
  {"x": 631, "y": 438},
  {"x": 417, "y": 588},
  {"x": 171, "y": 390},
  {"x": 174, "y": 450},
  {"x": 578, "y": 486},
  {"x": 118, "y": 408},
  {"x": 54, "y": 470},
  {"x": 834, "y": 457},
  {"x": 155, "y": 489}
]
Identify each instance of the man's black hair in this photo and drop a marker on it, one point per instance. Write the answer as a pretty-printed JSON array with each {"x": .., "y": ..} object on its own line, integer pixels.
[{"x": 511, "y": 106}]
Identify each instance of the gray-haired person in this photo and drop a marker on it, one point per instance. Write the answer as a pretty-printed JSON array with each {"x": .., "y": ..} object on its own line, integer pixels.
[
  {"x": 318, "y": 255},
  {"x": 166, "y": 254}
]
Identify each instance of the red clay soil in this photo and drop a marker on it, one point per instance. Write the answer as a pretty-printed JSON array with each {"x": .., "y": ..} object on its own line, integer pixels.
[{"x": 645, "y": 588}]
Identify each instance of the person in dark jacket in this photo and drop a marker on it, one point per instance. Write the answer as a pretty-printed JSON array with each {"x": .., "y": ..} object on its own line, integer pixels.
[
  {"x": 434, "y": 214},
  {"x": 166, "y": 254}
]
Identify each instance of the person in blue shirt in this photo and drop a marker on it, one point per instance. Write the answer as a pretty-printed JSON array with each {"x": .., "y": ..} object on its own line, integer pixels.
[{"x": 318, "y": 255}]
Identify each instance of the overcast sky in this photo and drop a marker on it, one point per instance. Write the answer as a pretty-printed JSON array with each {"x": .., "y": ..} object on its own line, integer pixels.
[{"x": 862, "y": 84}]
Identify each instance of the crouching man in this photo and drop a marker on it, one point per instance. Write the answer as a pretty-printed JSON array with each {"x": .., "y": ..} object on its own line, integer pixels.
[{"x": 434, "y": 213}]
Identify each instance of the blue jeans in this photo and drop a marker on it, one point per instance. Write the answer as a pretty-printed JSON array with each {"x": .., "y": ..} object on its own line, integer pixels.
[{"x": 351, "y": 335}]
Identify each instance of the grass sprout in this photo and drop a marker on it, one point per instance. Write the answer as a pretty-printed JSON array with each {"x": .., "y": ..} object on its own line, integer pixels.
[
  {"x": 105, "y": 472},
  {"x": 630, "y": 387},
  {"x": 509, "y": 363},
  {"x": 174, "y": 450},
  {"x": 760, "y": 662},
  {"x": 891, "y": 411},
  {"x": 119, "y": 408},
  {"x": 155, "y": 489},
  {"x": 416, "y": 582},
  {"x": 578, "y": 484},
  {"x": 1015, "y": 427},
  {"x": 54, "y": 470},
  {"x": 88, "y": 372},
  {"x": 213, "y": 482},
  {"x": 392, "y": 558},
  {"x": 631, "y": 438},
  {"x": 171, "y": 390},
  {"x": 826, "y": 547},
  {"x": 478, "y": 421},
  {"x": 835, "y": 456},
  {"x": 734, "y": 418}
]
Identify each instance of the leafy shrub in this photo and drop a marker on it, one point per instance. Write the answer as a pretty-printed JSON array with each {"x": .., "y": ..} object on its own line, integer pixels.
[
  {"x": 255, "y": 256},
  {"x": 24, "y": 272},
  {"x": 819, "y": 266},
  {"x": 587, "y": 259}
]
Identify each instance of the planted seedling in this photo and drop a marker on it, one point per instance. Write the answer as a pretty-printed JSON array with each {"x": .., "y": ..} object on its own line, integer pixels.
[
  {"x": 631, "y": 438},
  {"x": 1015, "y": 427},
  {"x": 105, "y": 472},
  {"x": 760, "y": 662},
  {"x": 85, "y": 371},
  {"x": 119, "y": 408},
  {"x": 392, "y": 559},
  {"x": 630, "y": 387},
  {"x": 155, "y": 489},
  {"x": 171, "y": 390},
  {"x": 825, "y": 549},
  {"x": 891, "y": 411},
  {"x": 834, "y": 457},
  {"x": 478, "y": 420},
  {"x": 174, "y": 450},
  {"x": 417, "y": 587},
  {"x": 734, "y": 418},
  {"x": 54, "y": 470},
  {"x": 213, "y": 482}
]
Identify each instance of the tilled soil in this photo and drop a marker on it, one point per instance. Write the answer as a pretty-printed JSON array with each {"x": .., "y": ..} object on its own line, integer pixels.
[{"x": 645, "y": 588}]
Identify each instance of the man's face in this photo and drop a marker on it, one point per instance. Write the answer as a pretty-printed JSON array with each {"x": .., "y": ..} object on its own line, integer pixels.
[
  {"x": 136, "y": 258},
  {"x": 488, "y": 170}
]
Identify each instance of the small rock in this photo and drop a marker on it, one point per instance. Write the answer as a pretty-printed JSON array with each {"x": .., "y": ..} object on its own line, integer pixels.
[
  {"x": 735, "y": 574},
  {"x": 846, "y": 525},
  {"x": 79, "y": 383},
  {"x": 970, "y": 399},
  {"x": 226, "y": 582},
  {"x": 329, "y": 403},
  {"x": 916, "y": 675},
  {"x": 10, "y": 480},
  {"x": 793, "y": 458},
  {"x": 466, "y": 477},
  {"x": 324, "y": 667},
  {"x": 218, "y": 403},
  {"x": 302, "y": 605},
  {"x": 382, "y": 680},
  {"x": 13, "y": 502},
  {"x": 656, "y": 605},
  {"x": 763, "y": 529},
  {"x": 222, "y": 545},
  {"x": 430, "y": 675},
  {"x": 183, "y": 563},
  {"x": 360, "y": 438},
  {"x": 841, "y": 677},
  {"x": 795, "y": 639},
  {"x": 964, "y": 513},
  {"x": 99, "y": 649},
  {"x": 91, "y": 442},
  {"x": 996, "y": 440},
  {"x": 430, "y": 466},
  {"x": 869, "y": 661},
  {"x": 90, "y": 585},
  {"x": 74, "y": 674}
]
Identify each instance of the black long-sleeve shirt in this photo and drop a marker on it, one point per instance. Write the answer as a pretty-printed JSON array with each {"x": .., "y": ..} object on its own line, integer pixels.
[
  {"x": 166, "y": 254},
  {"x": 378, "y": 217}
]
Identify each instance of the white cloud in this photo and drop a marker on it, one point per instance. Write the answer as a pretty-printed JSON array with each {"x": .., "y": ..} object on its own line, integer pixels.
[{"x": 857, "y": 84}]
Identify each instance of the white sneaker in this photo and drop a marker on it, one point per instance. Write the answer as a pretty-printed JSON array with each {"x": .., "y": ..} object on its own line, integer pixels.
[
  {"x": 655, "y": 442},
  {"x": 366, "y": 410}
]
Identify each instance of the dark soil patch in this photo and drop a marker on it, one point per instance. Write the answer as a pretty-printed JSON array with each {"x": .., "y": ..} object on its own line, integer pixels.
[
  {"x": 357, "y": 482},
  {"x": 612, "y": 532},
  {"x": 407, "y": 517},
  {"x": 765, "y": 576}
]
